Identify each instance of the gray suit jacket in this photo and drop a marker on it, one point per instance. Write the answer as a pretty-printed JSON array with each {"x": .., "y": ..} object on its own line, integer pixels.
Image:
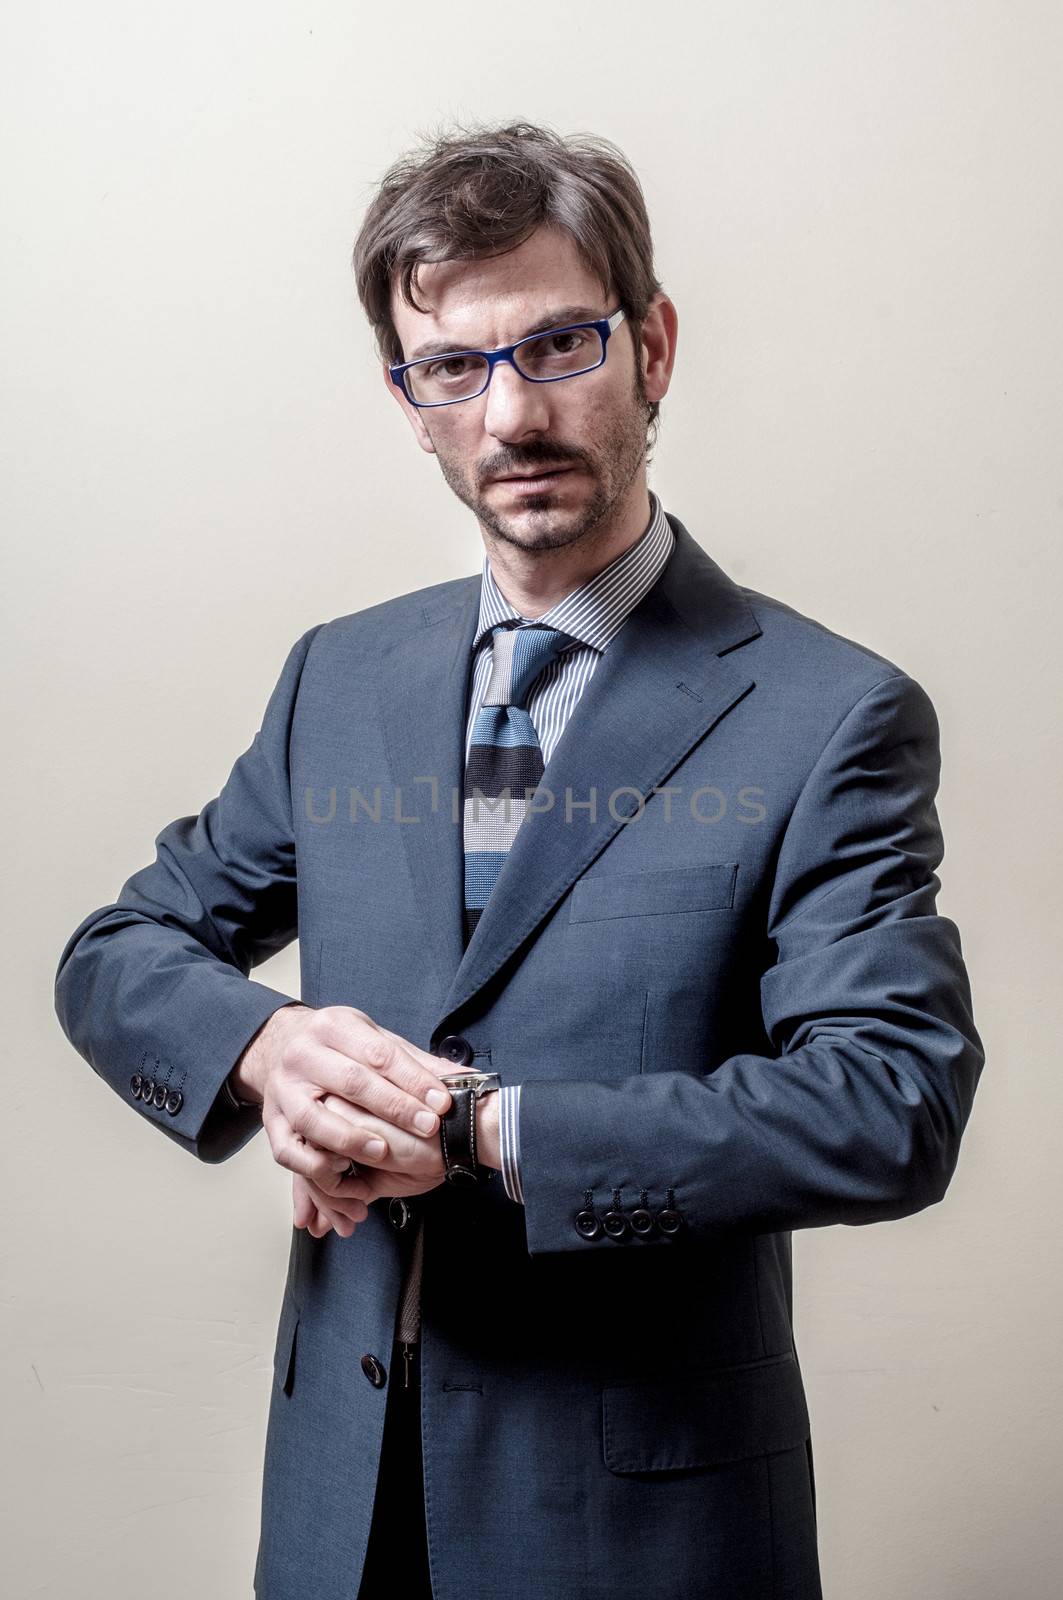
[{"x": 727, "y": 994}]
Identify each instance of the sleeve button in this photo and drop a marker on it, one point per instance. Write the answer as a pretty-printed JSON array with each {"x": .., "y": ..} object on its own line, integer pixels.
[
  {"x": 588, "y": 1225},
  {"x": 669, "y": 1220},
  {"x": 615, "y": 1224}
]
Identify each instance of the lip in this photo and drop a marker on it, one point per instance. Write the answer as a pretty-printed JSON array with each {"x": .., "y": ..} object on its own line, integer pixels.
[{"x": 543, "y": 478}]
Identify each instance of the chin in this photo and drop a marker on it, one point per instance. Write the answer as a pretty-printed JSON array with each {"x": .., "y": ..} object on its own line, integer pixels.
[{"x": 537, "y": 502}]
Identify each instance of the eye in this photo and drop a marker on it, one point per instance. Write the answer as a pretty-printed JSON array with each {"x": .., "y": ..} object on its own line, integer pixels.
[
  {"x": 447, "y": 367},
  {"x": 563, "y": 344}
]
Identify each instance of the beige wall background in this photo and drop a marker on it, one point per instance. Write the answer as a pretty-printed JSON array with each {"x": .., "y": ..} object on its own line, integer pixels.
[{"x": 857, "y": 212}]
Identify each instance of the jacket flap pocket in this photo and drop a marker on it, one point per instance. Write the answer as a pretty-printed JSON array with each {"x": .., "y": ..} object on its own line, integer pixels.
[
  {"x": 284, "y": 1353},
  {"x": 706, "y": 1418},
  {"x": 633, "y": 894}
]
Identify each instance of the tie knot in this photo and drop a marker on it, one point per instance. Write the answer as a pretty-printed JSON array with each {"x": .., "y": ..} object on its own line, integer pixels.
[{"x": 519, "y": 656}]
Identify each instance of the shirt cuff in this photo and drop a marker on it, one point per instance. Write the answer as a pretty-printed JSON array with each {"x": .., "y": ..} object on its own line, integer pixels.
[{"x": 509, "y": 1140}]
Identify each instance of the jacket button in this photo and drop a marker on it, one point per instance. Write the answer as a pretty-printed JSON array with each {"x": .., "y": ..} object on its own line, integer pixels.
[
  {"x": 587, "y": 1224},
  {"x": 174, "y": 1101},
  {"x": 134, "y": 1085},
  {"x": 669, "y": 1220},
  {"x": 147, "y": 1088},
  {"x": 373, "y": 1371},
  {"x": 398, "y": 1212},
  {"x": 455, "y": 1048},
  {"x": 158, "y": 1099},
  {"x": 641, "y": 1221},
  {"x": 615, "y": 1224}
]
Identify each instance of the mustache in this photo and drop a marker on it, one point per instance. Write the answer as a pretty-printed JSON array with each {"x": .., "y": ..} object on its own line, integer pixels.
[{"x": 528, "y": 456}]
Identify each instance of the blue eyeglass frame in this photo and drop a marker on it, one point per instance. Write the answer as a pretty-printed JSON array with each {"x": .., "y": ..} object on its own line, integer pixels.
[{"x": 603, "y": 325}]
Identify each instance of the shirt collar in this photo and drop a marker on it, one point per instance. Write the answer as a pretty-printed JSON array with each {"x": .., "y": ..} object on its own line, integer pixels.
[{"x": 595, "y": 611}]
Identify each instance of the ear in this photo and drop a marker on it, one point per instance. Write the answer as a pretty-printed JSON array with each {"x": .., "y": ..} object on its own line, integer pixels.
[
  {"x": 658, "y": 335},
  {"x": 412, "y": 414}
]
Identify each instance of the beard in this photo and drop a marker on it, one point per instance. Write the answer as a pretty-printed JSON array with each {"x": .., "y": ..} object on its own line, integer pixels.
[{"x": 610, "y": 462}]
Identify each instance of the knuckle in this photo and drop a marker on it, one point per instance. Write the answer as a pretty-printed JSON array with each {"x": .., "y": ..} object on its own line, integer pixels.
[
  {"x": 377, "y": 1050},
  {"x": 300, "y": 1119},
  {"x": 353, "y": 1085},
  {"x": 295, "y": 1051},
  {"x": 293, "y": 1156},
  {"x": 401, "y": 1110}
]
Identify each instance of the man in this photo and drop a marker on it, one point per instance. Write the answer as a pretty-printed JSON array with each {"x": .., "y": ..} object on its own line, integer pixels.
[{"x": 653, "y": 852}]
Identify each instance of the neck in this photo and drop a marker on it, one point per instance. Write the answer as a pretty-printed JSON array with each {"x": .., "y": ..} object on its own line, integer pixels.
[{"x": 534, "y": 580}]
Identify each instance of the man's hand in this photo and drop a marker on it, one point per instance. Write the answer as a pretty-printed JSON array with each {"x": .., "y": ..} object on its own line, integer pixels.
[
  {"x": 415, "y": 1165},
  {"x": 419, "y": 1171},
  {"x": 334, "y": 1087}
]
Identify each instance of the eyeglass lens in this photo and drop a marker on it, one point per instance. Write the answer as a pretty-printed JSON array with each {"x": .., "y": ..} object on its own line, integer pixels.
[{"x": 551, "y": 355}]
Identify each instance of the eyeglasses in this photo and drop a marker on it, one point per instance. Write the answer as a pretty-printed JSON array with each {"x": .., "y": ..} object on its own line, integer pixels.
[{"x": 547, "y": 357}]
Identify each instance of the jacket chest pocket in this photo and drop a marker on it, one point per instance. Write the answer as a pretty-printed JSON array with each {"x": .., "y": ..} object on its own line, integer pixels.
[{"x": 667, "y": 891}]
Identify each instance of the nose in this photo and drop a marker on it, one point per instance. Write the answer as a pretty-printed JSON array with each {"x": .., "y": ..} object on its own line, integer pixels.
[{"x": 515, "y": 407}]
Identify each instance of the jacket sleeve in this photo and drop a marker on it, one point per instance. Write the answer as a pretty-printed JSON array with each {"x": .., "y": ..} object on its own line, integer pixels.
[
  {"x": 154, "y": 989},
  {"x": 857, "y": 1115}
]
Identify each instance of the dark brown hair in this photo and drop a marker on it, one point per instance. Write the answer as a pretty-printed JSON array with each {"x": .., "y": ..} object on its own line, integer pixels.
[{"x": 482, "y": 191}]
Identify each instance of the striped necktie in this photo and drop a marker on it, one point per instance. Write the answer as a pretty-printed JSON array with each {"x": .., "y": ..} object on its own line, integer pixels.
[
  {"x": 504, "y": 753},
  {"x": 505, "y": 758}
]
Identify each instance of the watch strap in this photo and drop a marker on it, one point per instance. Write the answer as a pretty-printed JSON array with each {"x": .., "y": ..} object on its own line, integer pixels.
[
  {"x": 235, "y": 1101},
  {"x": 457, "y": 1137}
]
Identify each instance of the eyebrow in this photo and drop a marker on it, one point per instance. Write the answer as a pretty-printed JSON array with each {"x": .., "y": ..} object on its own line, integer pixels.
[{"x": 555, "y": 319}]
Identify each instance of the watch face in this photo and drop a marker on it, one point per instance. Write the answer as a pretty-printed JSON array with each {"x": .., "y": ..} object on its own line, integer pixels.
[{"x": 469, "y": 1080}]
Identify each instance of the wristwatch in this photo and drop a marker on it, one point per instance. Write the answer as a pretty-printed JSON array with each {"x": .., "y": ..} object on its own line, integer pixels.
[{"x": 457, "y": 1126}]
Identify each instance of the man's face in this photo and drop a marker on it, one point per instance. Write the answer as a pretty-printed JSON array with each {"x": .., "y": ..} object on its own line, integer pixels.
[{"x": 584, "y": 436}]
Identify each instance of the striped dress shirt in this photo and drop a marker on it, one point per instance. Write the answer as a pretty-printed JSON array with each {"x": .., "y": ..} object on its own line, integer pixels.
[{"x": 593, "y": 614}]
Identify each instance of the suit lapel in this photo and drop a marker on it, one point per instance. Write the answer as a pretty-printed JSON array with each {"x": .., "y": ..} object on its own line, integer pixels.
[
  {"x": 422, "y": 693},
  {"x": 661, "y": 685}
]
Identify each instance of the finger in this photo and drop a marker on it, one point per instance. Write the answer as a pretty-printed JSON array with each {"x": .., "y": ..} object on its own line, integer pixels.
[
  {"x": 351, "y": 1208},
  {"x": 302, "y": 1205},
  {"x": 349, "y": 1129},
  {"x": 298, "y": 1154},
  {"x": 319, "y": 1224},
  {"x": 324, "y": 1071},
  {"x": 380, "y": 1051},
  {"x": 433, "y": 1065},
  {"x": 317, "y": 1144},
  {"x": 324, "y": 1221},
  {"x": 415, "y": 1151},
  {"x": 382, "y": 1183},
  {"x": 304, "y": 1202},
  {"x": 344, "y": 1218}
]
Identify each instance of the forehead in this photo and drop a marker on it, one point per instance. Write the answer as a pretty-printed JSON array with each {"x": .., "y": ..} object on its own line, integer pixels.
[{"x": 495, "y": 299}]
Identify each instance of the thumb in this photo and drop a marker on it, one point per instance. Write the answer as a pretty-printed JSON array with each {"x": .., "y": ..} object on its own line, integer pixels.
[{"x": 424, "y": 1058}]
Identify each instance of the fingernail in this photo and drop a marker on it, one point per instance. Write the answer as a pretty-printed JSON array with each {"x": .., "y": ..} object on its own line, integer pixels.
[
  {"x": 437, "y": 1099},
  {"x": 375, "y": 1147},
  {"x": 425, "y": 1121}
]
